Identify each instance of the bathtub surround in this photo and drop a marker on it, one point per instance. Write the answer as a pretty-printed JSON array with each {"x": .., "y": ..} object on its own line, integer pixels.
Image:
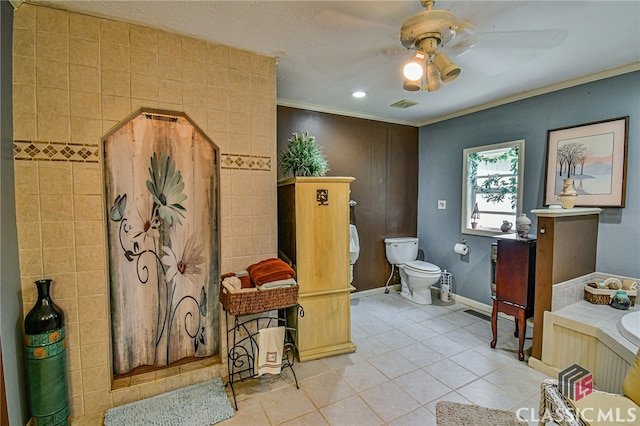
[
  {"x": 588, "y": 334},
  {"x": 74, "y": 78}
]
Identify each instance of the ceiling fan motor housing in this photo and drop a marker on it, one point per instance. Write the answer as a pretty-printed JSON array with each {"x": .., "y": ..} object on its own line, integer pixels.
[{"x": 439, "y": 24}]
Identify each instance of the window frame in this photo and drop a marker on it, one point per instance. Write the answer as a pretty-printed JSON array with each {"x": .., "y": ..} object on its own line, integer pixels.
[{"x": 467, "y": 191}]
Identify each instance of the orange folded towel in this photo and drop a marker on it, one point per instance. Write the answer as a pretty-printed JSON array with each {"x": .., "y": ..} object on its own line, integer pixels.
[
  {"x": 245, "y": 282},
  {"x": 268, "y": 270}
]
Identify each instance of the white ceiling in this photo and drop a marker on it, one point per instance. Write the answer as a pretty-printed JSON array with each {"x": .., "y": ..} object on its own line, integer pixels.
[{"x": 327, "y": 49}]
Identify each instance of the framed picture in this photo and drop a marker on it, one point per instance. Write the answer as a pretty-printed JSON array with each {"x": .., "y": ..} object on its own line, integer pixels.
[{"x": 594, "y": 155}]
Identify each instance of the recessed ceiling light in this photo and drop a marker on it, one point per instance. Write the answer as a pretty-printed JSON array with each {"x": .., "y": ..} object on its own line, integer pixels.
[{"x": 359, "y": 94}]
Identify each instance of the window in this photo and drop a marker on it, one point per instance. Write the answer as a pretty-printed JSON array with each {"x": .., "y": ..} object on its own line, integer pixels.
[{"x": 492, "y": 187}]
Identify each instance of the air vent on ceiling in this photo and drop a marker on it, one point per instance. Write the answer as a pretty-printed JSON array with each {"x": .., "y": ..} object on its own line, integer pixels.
[{"x": 405, "y": 103}]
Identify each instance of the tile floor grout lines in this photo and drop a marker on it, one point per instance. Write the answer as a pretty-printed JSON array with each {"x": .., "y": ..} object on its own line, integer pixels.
[
  {"x": 445, "y": 356},
  {"x": 409, "y": 357}
]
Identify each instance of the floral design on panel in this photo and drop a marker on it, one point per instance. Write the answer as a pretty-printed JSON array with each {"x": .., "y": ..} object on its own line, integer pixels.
[{"x": 152, "y": 234}]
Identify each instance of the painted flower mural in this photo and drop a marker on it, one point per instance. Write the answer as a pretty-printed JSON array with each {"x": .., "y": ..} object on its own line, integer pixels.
[
  {"x": 181, "y": 264},
  {"x": 166, "y": 187},
  {"x": 162, "y": 183}
]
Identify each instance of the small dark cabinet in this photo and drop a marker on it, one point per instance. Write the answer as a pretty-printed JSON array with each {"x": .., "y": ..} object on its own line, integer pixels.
[{"x": 515, "y": 285}]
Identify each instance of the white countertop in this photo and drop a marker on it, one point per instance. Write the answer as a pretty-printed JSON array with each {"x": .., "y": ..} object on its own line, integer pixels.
[
  {"x": 604, "y": 317},
  {"x": 576, "y": 211}
]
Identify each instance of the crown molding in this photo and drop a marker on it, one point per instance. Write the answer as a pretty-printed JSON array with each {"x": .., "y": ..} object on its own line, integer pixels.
[
  {"x": 540, "y": 91},
  {"x": 503, "y": 101},
  {"x": 329, "y": 110}
]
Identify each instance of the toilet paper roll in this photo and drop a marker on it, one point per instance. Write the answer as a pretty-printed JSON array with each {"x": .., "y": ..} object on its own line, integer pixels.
[{"x": 461, "y": 249}]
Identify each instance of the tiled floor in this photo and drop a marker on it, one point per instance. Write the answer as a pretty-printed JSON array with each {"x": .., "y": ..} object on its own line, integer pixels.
[{"x": 409, "y": 357}]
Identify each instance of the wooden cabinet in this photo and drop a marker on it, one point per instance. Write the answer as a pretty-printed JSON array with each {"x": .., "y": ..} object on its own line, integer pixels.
[
  {"x": 313, "y": 235},
  {"x": 567, "y": 246},
  {"x": 515, "y": 285}
]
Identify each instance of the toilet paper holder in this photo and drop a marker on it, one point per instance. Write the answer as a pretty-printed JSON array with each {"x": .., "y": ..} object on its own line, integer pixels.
[{"x": 461, "y": 248}]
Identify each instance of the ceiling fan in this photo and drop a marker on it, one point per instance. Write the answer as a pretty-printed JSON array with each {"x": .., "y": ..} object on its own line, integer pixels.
[{"x": 424, "y": 32}]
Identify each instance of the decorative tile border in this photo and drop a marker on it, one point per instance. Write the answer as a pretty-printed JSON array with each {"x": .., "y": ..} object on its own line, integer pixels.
[
  {"x": 245, "y": 162},
  {"x": 84, "y": 153},
  {"x": 55, "y": 151}
]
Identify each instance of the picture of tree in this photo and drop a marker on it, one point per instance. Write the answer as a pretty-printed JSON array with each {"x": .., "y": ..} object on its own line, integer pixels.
[
  {"x": 594, "y": 156},
  {"x": 570, "y": 156},
  {"x": 588, "y": 161}
]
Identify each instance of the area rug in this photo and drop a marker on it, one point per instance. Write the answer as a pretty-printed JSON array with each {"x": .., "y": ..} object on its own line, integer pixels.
[
  {"x": 455, "y": 414},
  {"x": 202, "y": 404}
]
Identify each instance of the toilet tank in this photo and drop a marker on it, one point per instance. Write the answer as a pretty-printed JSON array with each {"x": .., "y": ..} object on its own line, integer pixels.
[{"x": 401, "y": 250}]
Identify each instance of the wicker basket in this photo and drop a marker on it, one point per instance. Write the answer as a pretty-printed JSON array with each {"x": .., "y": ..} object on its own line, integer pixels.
[
  {"x": 599, "y": 296},
  {"x": 251, "y": 302}
]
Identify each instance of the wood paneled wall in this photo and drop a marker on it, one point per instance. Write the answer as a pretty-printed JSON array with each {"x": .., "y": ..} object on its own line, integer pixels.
[{"x": 383, "y": 157}]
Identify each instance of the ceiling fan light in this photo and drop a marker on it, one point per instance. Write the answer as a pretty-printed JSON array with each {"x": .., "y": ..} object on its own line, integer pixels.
[
  {"x": 412, "y": 70},
  {"x": 448, "y": 70},
  {"x": 411, "y": 85},
  {"x": 434, "y": 81},
  {"x": 450, "y": 73}
]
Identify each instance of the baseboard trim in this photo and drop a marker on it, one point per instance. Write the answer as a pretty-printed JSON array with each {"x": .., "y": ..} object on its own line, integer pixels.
[
  {"x": 373, "y": 291},
  {"x": 540, "y": 366},
  {"x": 479, "y": 306}
]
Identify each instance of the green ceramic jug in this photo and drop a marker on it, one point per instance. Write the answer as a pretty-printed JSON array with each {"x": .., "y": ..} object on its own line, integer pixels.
[{"x": 620, "y": 300}]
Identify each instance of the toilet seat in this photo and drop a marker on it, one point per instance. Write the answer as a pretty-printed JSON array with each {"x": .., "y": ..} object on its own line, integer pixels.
[{"x": 422, "y": 267}]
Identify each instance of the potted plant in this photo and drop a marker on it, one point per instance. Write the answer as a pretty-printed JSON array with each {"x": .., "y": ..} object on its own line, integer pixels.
[
  {"x": 303, "y": 157},
  {"x": 475, "y": 215}
]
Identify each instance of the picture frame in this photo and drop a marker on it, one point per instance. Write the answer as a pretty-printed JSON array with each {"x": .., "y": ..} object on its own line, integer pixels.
[{"x": 594, "y": 155}]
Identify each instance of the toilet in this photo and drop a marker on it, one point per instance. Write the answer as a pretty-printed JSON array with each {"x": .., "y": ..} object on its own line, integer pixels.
[{"x": 416, "y": 276}]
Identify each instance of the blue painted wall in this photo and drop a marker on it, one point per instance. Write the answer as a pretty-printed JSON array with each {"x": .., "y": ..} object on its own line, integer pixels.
[{"x": 440, "y": 175}]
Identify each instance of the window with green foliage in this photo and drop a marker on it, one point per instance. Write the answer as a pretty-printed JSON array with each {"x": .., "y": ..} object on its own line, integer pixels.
[{"x": 492, "y": 187}]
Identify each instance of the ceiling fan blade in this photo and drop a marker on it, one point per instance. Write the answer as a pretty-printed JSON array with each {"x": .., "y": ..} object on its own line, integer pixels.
[
  {"x": 523, "y": 39},
  {"x": 342, "y": 20},
  {"x": 466, "y": 37},
  {"x": 355, "y": 64}
]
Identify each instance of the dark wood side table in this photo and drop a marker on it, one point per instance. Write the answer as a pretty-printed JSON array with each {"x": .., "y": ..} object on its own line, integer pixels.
[{"x": 515, "y": 285}]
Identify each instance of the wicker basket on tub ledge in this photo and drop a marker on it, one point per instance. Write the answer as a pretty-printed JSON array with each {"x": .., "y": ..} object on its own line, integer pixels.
[{"x": 599, "y": 296}]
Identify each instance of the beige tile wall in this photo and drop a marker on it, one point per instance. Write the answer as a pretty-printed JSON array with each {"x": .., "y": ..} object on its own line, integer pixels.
[{"x": 77, "y": 76}]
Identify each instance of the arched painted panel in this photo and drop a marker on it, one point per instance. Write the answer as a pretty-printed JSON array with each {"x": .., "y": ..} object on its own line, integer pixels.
[{"x": 162, "y": 207}]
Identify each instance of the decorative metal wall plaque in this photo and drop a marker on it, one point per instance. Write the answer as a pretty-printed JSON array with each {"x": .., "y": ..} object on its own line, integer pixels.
[{"x": 322, "y": 197}]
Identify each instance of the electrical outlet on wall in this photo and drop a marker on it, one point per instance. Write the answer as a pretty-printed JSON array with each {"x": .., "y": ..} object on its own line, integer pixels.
[{"x": 442, "y": 204}]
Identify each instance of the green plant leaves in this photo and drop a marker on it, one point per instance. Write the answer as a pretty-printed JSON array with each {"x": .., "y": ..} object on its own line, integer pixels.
[{"x": 303, "y": 157}]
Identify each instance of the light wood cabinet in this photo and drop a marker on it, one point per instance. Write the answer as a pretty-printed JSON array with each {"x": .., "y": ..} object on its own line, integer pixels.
[{"x": 313, "y": 235}]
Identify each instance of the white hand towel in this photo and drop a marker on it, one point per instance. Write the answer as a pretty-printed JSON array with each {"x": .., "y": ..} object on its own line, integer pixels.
[
  {"x": 226, "y": 288},
  {"x": 270, "y": 344},
  {"x": 233, "y": 282},
  {"x": 290, "y": 282}
]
